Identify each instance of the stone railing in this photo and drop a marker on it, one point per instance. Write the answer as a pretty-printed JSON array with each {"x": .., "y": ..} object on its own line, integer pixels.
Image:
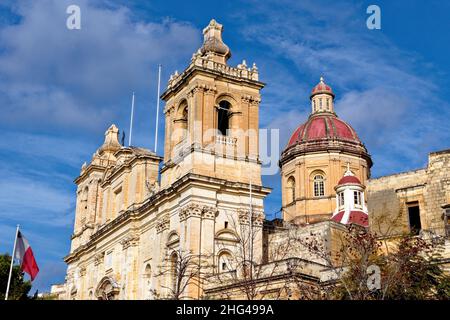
[
  {"x": 230, "y": 141},
  {"x": 241, "y": 71}
]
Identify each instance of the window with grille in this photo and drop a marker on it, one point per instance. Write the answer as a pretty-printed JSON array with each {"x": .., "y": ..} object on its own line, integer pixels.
[
  {"x": 357, "y": 197},
  {"x": 341, "y": 199},
  {"x": 319, "y": 187}
]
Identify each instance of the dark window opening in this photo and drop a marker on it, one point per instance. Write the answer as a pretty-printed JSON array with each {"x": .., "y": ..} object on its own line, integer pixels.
[
  {"x": 224, "y": 266},
  {"x": 226, "y": 224},
  {"x": 414, "y": 219},
  {"x": 223, "y": 121}
]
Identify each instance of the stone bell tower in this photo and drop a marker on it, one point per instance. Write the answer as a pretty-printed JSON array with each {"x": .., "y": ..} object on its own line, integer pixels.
[
  {"x": 211, "y": 165},
  {"x": 212, "y": 116}
]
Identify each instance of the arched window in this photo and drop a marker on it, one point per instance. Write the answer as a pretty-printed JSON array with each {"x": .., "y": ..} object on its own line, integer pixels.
[
  {"x": 147, "y": 282},
  {"x": 84, "y": 198},
  {"x": 225, "y": 262},
  {"x": 319, "y": 186},
  {"x": 290, "y": 185},
  {"x": 174, "y": 271},
  {"x": 223, "y": 117},
  {"x": 183, "y": 114}
]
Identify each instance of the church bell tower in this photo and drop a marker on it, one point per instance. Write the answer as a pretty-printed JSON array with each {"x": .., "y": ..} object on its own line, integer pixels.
[{"x": 212, "y": 116}]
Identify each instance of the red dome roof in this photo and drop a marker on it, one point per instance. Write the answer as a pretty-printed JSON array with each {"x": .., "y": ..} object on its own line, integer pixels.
[
  {"x": 349, "y": 179},
  {"x": 356, "y": 217},
  {"x": 321, "y": 87},
  {"x": 323, "y": 126}
]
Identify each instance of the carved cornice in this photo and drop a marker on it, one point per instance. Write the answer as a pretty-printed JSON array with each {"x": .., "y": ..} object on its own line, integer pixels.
[
  {"x": 202, "y": 87},
  {"x": 250, "y": 99},
  {"x": 130, "y": 240},
  {"x": 162, "y": 224},
  {"x": 257, "y": 217},
  {"x": 99, "y": 257},
  {"x": 198, "y": 210},
  {"x": 210, "y": 212}
]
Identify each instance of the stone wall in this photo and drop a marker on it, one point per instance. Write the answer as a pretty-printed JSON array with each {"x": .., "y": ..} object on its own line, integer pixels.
[{"x": 390, "y": 196}]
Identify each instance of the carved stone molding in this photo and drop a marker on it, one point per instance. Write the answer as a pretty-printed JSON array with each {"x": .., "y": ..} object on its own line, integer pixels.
[
  {"x": 130, "y": 241},
  {"x": 198, "y": 210},
  {"x": 82, "y": 271},
  {"x": 250, "y": 99},
  {"x": 257, "y": 217},
  {"x": 98, "y": 259},
  {"x": 210, "y": 212},
  {"x": 190, "y": 210},
  {"x": 162, "y": 224}
]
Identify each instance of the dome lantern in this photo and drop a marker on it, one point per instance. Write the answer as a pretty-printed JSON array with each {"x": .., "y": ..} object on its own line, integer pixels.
[
  {"x": 322, "y": 98},
  {"x": 350, "y": 203}
]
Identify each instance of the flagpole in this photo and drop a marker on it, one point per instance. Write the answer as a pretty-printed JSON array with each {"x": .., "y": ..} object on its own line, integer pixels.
[
  {"x": 131, "y": 120},
  {"x": 251, "y": 226},
  {"x": 157, "y": 108},
  {"x": 12, "y": 263}
]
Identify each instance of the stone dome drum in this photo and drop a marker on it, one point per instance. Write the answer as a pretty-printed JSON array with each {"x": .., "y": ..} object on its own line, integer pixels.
[{"x": 324, "y": 131}]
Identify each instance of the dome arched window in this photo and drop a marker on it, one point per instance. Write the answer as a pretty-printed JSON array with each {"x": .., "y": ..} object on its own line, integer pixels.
[
  {"x": 290, "y": 192},
  {"x": 319, "y": 185}
]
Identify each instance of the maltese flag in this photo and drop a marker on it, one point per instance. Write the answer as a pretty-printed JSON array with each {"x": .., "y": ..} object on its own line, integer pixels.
[{"x": 25, "y": 255}]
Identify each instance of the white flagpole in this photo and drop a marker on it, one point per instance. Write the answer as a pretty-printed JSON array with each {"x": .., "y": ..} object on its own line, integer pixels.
[
  {"x": 12, "y": 263},
  {"x": 157, "y": 108},
  {"x": 251, "y": 225},
  {"x": 131, "y": 120}
]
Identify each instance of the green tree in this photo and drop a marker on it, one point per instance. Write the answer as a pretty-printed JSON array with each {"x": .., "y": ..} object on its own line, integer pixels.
[{"x": 19, "y": 288}]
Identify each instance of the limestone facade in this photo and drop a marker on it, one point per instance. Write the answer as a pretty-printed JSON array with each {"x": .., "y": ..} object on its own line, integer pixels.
[
  {"x": 129, "y": 226},
  {"x": 137, "y": 213},
  {"x": 391, "y": 197}
]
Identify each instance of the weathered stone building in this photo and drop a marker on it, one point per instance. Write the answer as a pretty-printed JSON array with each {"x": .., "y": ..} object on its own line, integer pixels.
[
  {"x": 416, "y": 201},
  {"x": 139, "y": 216}
]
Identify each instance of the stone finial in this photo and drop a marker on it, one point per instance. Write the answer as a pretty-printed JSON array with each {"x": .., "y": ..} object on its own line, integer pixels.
[
  {"x": 348, "y": 172},
  {"x": 111, "y": 143},
  {"x": 212, "y": 41}
]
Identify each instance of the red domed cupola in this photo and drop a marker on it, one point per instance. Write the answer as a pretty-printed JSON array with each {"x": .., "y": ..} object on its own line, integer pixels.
[
  {"x": 324, "y": 131},
  {"x": 321, "y": 87}
]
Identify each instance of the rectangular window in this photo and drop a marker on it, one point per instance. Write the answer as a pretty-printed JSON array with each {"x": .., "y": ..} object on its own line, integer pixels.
[
  {"x": 414, "y": 218},
  {"x": 357, "y": 197},
  {"x": 341, "y": 199}
]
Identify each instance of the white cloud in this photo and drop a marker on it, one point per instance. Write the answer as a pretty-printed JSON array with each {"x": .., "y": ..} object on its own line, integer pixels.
[
  {"x": 73, "y": 79},
  {"x": 385, "y": 93}
]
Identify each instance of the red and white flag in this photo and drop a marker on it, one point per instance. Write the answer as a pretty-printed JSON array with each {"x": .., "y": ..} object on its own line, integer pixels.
[{"x": 25, "y": 255}]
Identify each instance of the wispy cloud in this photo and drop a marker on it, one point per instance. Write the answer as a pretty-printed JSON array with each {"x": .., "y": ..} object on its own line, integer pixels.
[
  {"x": 76, "y": 79},
  {"x": 381, "y": 89}
]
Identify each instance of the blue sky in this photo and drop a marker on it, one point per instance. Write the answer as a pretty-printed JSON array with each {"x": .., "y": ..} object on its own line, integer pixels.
[{"x": 61, "y": 89}]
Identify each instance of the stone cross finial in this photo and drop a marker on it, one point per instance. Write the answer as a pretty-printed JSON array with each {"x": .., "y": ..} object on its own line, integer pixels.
[{"x": 348, "y": 172}]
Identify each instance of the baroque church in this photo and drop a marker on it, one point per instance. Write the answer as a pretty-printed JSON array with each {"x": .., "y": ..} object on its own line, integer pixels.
[{"x": 191, "y": 224}]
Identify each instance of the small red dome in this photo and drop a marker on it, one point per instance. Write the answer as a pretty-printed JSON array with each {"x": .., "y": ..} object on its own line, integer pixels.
[
  {"x": 323, "y": 126},
  {"x": 349, "y": 179},
  {"x": 321, "y": 87},
  {"x": 356, "y": 217}
]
